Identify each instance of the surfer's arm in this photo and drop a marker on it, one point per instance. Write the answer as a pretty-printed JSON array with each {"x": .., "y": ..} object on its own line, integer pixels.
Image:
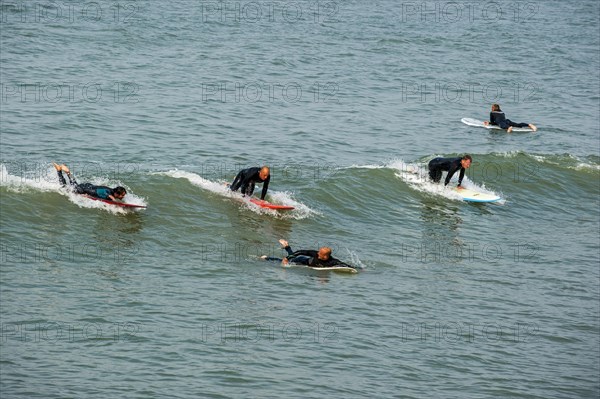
[
  {"x": 265, "y": 188},
  {"x": 461, "y": 176},
  {"x": 449, "y": 176}
]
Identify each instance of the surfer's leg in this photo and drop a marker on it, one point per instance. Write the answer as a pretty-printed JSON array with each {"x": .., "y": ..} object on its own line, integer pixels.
[
  {"x": 435, "y": 173},
  {"x": 249, "y": 189},
  {"x": 86, "y": 188},
  {"x": 504, "y": 124},
  {"x": 61, "y": 178},
  {"x": 236, "y": 182},
  {"x": 265, "y": 257},
  {"x": 514, "y": 124}
]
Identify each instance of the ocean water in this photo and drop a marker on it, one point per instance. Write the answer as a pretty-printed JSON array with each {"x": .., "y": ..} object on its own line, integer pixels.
[{"x": 347, "y": 101}]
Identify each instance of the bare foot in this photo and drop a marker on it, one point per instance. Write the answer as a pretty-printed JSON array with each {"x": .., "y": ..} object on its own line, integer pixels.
[
  {"x": 509, "y": 130},
  {"x": 57, "y": 166},
  {"x": 283, "y": 243},
  {"x": 65, "y": 168},
  {"x": 264, "y": 257},
  {"x": 533, "y": 127}
]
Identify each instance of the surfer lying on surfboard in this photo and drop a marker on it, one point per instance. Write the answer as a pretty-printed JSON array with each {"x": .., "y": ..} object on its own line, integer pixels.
[
  {"x": 103, "y": 192},
  {"x": 308, "y": 257},
  {"x": 246, "y": 179},
  {"x": 498, "y": 118},
  {"x": 451, "y": 165}
]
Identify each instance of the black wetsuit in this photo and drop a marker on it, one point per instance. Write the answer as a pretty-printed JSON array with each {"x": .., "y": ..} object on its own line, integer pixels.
[
  {"x": 86, "y": 188},
  {"x": 310, "y": 258},
  {"x": 451, "y": 165},
  {"x": 498, "y": 118},
  {"x": 246, "y": 179}
]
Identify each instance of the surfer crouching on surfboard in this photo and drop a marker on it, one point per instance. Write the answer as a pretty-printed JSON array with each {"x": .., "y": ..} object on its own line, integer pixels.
[
  {"x": 450, "y": 165},
  {"x": 498, "y": 118},
  {"x": 246, "y": 179},
  {"x": 308, "y": 257},
  {"x": 103, "y": 192}
]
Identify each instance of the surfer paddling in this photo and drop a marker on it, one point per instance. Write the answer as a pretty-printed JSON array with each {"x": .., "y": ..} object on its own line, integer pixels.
[
  {"x": 308, "y": 257},
  {"x": 103, "y": 192},
  {"x": 498, "y": 118},
  {"x": 450, "y": 165},
  {"x": 247, "y": 178}
]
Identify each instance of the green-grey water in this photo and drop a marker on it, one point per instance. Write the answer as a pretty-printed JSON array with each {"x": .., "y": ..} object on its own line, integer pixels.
[{"x": 345, "y": 101}]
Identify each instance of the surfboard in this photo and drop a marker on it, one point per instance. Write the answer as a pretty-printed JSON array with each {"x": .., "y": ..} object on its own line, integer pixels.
[
  {"x": 475, "y": 196},
  {"x": 337, "y": 269},
  {"x": 478, "y": 123},
  {"x": 268, "y": 205},
  {"x": 121, "y": 204}
]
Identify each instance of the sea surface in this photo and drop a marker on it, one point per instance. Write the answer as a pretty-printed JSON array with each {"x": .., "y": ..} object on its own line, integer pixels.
[{"x": 346, "y": 101}]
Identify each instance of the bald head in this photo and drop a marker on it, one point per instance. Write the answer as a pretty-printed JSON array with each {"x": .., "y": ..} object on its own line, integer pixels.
[
  {"x": 324, "y": 253},
  {"x": 264, "y": 172}
]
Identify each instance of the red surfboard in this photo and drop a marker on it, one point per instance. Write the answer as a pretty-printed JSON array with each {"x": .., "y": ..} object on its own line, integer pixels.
[
  {"x": 268, "y": 205},
  {"x": 121, "y": 204}
]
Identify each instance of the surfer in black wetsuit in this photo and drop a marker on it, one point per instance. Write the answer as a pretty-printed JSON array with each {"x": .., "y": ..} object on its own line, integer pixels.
[
  {"x": 498, "y": 118},
  {"x": 246, "y": 179},
  {"x": 103, "y": 192},
  {"x": 308, "y": 257},
  {"x": 451, "y": 165}
]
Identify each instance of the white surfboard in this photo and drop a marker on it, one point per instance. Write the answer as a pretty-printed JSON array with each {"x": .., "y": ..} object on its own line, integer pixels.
[
  {"x": 476, "y": 196},
  {"x": 338, "y": 269},
  {"x": 478, "y": 123}
]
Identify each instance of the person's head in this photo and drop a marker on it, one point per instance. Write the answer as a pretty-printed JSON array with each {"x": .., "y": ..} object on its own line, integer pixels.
[
  {"x": 324, "y": 253},
  {"x": 465, "y": 162},
  {"x": 119, "y": 192},
  {"x": 496, "y": 107},
  {"x": 264, "y": 172}
]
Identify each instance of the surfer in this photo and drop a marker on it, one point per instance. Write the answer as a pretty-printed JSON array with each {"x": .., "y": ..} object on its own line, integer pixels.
[
  {"x": 103, "y": 192},
  {"x": 246, "y": 179},
  {"x": 308, "y": 257},
  {"x": 451, "y": 165},
  {"x": 497, "y": 118}
]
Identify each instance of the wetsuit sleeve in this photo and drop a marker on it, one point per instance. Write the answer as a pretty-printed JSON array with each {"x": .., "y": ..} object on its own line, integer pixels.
[
  {"x": 265, "y": 187},
  {"x": 451, "y": 173},
  {"x": 103, "y": 192},
  {"x": 461, "y": 176},
  {"x": 492, "y": 119}
]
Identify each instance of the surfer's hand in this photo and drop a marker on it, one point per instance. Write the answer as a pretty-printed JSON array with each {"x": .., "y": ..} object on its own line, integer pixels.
[
  {"x": 486, "y": 123},
  {"x": 283, "y": 243},
  {"x": 459, "y": 187}
]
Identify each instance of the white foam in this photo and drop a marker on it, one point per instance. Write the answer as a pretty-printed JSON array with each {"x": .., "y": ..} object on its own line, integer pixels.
[{"x": 355, "y": 260}]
